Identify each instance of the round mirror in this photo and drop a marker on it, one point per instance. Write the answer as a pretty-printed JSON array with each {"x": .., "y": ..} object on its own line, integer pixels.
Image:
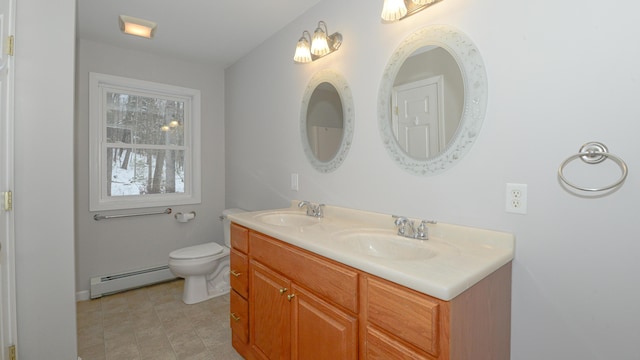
[
  {"x": 432, "y": 100},
  {"x": 326, "y": 120}
]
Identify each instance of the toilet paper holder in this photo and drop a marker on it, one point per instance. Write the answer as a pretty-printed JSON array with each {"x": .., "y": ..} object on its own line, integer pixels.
[{"x": 185, "y": 217}]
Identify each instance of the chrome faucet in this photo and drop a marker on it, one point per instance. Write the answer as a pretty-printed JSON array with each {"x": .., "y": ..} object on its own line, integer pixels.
[
  {"x": 312, "y": 210},
  {"x": 407, "y": 228}
]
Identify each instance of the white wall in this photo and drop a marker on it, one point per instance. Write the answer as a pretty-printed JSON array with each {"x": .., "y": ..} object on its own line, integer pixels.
[
  {"x": 117, "y": 245},
  {"x": 560, "y": 74},
  {"x": 44, "y": 179}
]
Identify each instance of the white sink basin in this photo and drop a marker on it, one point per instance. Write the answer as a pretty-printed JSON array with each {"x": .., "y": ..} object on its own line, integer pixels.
[
  {"x": 384, "y": 244},
  {"x": 287, "y": 219}
]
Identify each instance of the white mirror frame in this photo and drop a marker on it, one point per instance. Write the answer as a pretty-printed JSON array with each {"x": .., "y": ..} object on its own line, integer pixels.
[
  {"x": 344, "y": 91},
  {"x": 475, "y": 97}
]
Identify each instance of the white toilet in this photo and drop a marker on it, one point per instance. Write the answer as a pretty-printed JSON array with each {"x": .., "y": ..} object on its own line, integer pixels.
[{"x": 205, "y": 267}]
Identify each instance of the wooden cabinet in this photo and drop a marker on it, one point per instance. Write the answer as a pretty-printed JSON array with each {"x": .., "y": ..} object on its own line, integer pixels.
[
  {"x": 297, "y": 302},
  {"x": 294, "y": 304},
  {"x": 239, "y": 296}
]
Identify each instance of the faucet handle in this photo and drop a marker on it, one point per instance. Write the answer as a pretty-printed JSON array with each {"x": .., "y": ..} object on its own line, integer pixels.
[
  {"x": 319, "y": 212},
  {"x": 399, "y": 220},
  {"x": 423, "y": 231}
]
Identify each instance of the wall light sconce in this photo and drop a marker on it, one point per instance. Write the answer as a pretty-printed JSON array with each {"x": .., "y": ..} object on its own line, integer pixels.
[
  {"x": 393, "y": 10},
  {"x": 312, "y": 48},
  {"x": 137, "y": 27}
]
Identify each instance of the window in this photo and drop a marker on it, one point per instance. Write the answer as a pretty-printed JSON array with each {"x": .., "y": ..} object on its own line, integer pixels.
[{"x": 144, "y": 144}]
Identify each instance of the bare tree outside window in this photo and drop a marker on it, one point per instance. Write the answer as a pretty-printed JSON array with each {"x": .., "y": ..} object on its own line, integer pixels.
[{"x": 145, "y": 145}]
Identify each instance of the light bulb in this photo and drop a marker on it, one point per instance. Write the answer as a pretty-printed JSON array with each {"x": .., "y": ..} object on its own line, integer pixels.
[
  {"x": 393, "y": 10},
  {"x": 319, "y": 44},
  {"x": 303, "y": 54}
]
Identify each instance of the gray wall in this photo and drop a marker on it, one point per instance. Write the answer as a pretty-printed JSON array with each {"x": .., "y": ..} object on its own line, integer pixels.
[
  {"x": 575, "y": 272},
  {"x": 117, "y": 245},
  {"x": 43, "y": 207}
]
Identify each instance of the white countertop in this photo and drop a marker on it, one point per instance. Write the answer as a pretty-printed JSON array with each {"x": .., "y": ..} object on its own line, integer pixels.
[{"x": 451, "y": 261}]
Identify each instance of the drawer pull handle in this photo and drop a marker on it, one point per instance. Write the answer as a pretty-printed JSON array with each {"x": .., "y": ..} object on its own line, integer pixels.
[
  {"x": 235, "y": 317},
  {"x": 235, "y": 273},
  {"x": 283, "y": 290},
  {"x": 289, "y": 297}
]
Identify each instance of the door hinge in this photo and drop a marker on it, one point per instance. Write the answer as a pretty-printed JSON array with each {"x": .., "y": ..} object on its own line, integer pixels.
[
  {"x": 12, "y": 352},
  {"x": 10, "y": 45},
  {"x": 8, "y": 201}
]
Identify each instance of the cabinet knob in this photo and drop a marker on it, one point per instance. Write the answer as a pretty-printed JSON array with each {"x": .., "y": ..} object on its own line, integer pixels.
[
  {"x": 289, "y": 297},
  {"x": 283, "y": 290},
  {"x": 235, "y": 317},
  {"x": 235, "y": 273}
]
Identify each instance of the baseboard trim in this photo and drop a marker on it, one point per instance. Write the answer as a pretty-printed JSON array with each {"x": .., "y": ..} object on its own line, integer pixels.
[{"x": 82, "y": 295}]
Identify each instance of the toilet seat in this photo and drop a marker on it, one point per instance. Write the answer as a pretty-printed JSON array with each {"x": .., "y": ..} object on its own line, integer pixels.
[{"x": 196, "y": 251}]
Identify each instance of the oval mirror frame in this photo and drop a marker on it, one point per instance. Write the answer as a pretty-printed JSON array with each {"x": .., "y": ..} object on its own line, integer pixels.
[
  {"x": 340, "y": 84},
  {"x": 475, "y": 98}
]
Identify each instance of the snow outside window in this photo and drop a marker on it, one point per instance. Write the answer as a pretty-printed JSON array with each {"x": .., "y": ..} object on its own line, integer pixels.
[{"x": 144, "y": 144}]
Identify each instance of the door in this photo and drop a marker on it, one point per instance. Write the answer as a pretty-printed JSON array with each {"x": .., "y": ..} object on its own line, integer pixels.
[
  {"x": 418, "y": 121},
  {"x": 269, "y": 308},
  {"x": 319, "y": 331},
  {"x": 7, "y": 266}
]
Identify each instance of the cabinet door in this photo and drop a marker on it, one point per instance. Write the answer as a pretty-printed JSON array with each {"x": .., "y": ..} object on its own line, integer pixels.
[
  {"x": 269, "y": 313},
  {"x": 320, "y": 331}
]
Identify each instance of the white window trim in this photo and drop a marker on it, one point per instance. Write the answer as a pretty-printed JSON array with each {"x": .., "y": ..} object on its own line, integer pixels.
[{"x": 98, "y": 199}]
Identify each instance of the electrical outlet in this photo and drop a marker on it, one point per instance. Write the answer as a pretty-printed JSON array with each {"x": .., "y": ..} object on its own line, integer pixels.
[
  {"x": 294, "y": 181},
  {"x": 516, "y": 198}
]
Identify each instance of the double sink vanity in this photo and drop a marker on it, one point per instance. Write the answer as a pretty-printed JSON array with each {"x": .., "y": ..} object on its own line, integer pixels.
[
  {"x": 345, "y": 285},
  {"x": 335, "y": 283}
]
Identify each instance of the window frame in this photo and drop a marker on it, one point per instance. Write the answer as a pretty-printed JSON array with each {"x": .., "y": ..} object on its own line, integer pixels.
[{"x": 99, "y": 85}]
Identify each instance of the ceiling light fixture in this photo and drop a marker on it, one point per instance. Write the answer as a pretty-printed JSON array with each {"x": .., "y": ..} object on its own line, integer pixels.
[
  {"x": 393, "y": 10},
  {"x": 310, "y": 49},
  {"x": 137, "y": 27}
]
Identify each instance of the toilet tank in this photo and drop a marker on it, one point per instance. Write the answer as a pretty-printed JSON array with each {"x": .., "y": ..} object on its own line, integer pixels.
[{"x": 226, "y": 223}]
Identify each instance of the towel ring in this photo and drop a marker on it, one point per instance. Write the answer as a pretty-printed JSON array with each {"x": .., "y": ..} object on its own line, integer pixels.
[{"x": 594, "y": 153}]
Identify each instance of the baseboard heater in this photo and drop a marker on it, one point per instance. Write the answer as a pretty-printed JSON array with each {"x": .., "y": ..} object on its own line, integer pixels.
[{"x": 110, "y": 284}]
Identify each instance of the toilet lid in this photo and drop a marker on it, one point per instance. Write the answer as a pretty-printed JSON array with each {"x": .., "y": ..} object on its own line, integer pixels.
[{"x": 197, "y": 251}]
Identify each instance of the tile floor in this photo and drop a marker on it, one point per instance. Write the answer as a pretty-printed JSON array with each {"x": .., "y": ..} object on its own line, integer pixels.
[{"x": 154, "y": 323}]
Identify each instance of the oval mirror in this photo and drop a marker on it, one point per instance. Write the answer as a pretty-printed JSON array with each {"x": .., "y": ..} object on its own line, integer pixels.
[
  {"x": 326, "y": 120},
  {"x": 432, "y": 100}
]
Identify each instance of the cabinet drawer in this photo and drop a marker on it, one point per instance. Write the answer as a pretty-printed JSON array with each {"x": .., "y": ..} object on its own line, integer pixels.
[
  {"x": 330, "y": 280},
  {"x": 410, "y": 316},
  {"x": 239, "y": 238},
  {"x": 380, "y": 346},
  {"x": 239, "y": 317},
  {"x": 239, "y": 272}
]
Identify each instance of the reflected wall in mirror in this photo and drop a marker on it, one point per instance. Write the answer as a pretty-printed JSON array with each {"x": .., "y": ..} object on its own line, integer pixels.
[
  {"x": 326, "y": 120},
  {"x": 432, "y": 100}
]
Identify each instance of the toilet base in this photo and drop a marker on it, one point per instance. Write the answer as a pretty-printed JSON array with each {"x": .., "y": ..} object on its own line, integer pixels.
[{"x": 196, "y": 289}]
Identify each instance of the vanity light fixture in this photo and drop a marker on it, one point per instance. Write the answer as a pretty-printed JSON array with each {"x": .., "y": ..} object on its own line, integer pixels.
[
  {"x": 137, "y": 27},
  {"x": 393, "y": 10},
  {"x": 312, "y": 48}
]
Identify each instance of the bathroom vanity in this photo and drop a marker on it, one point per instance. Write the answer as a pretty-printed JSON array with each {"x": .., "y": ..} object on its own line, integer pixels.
[{"x": 328, "y": 288}]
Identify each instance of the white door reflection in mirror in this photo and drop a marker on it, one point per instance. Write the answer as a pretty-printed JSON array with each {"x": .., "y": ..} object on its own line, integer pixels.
[
  {"x": 437, "y": 50},
  {"x": 417, "y": 118}
]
